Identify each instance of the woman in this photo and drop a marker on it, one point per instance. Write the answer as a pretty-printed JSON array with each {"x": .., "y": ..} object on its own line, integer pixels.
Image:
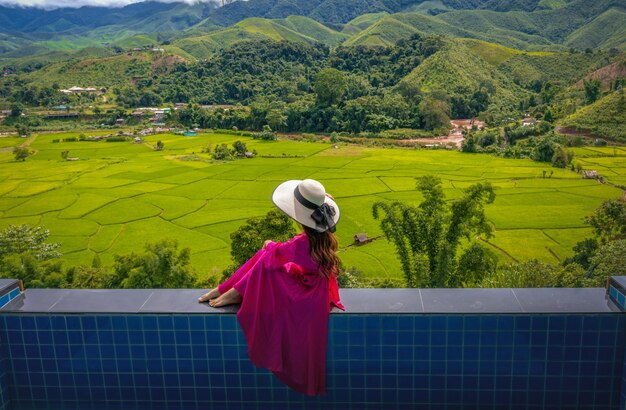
[{"x": 286, "y": 290}]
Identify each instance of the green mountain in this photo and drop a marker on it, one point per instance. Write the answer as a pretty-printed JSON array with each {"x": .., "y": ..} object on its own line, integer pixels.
[
  {"x": 199, "y": 29},
  {"x": 391, "y": 28},
  {"x": 608, "y": 30},
  {"x": 548, "y": 26},
  {"x": 294, "y": 28},
  {"x": 362, "y": 22},
  {"x": 604, "y": 118},
  {"x": 459, "y": 72}
]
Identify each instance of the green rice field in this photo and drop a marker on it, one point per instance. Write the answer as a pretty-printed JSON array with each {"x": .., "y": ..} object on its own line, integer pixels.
[{"x": 119, "y": 195}]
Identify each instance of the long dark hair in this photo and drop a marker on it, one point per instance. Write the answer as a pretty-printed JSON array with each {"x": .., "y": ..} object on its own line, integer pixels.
[{"x": 323, "y": 250}]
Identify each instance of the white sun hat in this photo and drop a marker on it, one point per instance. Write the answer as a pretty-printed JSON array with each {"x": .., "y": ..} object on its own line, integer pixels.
[{"x": 306, "y": 202}]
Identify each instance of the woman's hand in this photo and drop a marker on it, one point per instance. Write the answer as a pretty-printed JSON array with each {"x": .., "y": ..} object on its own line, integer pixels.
[{"x": 266, "y": 243}]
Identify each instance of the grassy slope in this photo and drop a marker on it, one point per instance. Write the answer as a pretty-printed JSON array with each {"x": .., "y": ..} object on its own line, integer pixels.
[
  {"x": 605, "y": 31},
  {"x": 384, "y": 32},
  {"x": 457, "y": 69},
  {"x": 362, "y": 22},
  {"x": 294, "y": 28},
  {"x": 97, "y": 72},
  {"x": 527, "y": 67},
  {"x": 605, "y": 118},
  {"x": 313, "y": 29},
  {"x": 472, "y": 24},
  {"x": 510, "y": 29},
  {"x": 561, "y": 66}
]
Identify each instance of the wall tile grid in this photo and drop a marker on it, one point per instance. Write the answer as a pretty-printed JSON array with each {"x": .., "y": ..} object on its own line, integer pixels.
[
  {"x": 159, "y": 361},
  {"x": 9, "y": 290}
]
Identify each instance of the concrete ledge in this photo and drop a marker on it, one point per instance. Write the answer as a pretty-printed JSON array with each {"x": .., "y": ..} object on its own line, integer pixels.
[{"x": 357, "y": 301}]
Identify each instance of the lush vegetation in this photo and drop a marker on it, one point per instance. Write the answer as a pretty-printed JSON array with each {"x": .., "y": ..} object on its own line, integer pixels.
[
  {"x": 286, "y": 78},
  {"x": 605, "y": 117},
  {"x": 119, "y": 196}
]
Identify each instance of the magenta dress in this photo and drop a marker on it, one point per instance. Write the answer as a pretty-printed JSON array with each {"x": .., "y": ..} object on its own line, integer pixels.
[{"x": 284, "y": 313}]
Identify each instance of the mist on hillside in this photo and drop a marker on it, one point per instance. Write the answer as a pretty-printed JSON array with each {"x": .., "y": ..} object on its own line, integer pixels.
[{"x": 55, "y": 4}]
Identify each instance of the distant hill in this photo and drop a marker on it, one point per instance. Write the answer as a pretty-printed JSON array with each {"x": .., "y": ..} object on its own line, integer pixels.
[
  {"x": 293, "y": 28},
  {"x": 608, "y": 30},
  {"x": 521, "y": 24},
  {"x": 576, "y": 23}
]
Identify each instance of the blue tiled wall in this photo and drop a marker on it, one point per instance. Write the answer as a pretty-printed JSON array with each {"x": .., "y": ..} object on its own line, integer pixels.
[
  {"x": 4, "y": 377},
  {"x": 142, "y": 361}
]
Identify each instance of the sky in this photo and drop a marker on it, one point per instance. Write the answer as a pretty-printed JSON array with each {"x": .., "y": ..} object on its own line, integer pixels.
[{"x": 52, "y": 4}]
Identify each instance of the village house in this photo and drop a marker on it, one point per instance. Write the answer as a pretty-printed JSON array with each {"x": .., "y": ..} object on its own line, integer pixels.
[
  {"x": 78, "y": 90},
  {"x": 361, "y": 239}
]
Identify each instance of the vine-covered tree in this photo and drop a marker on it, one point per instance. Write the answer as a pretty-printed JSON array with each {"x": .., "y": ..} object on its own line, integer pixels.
[
  {"x": 26, "y": 254},
  {"x": 427, "y": 237},
  {"x": 609, "y": 220},
  {"x": 162, "y": 265}
]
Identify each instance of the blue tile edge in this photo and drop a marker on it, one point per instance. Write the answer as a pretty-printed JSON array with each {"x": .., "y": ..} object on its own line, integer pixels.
[
  {"x": 10, "y": 294},
  {"x": 7, "y": 285},
  {"x": 616, "y": 292}
]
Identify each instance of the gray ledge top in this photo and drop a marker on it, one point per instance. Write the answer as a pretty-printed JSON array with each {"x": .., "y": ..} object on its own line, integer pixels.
[{"x": 357, "y": 301}]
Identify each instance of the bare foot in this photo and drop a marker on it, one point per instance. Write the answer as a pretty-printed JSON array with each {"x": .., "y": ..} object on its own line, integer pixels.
[
  {"x": 229, "y": 298},
  {"x": 212, "y": 294}
]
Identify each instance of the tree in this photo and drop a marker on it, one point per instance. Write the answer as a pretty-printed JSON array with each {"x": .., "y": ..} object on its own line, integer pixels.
[
  {"x": 469, "y": 144},
  {"x": 22, "y": 130},
  {"x": 160, "y": 146},
  {"x": 16, "y": 110},
  {"x": 91, "y": 277},
  {"x": 544, "y": 150},
  {"x": 276, "y": 119},
  {"x": 267, "y": 134},
  {"x": 249, "y": 238},
  {"x": 240, "y": 148},
  {"x": 529, "y": 274},
  {"x": 25, "y": 238},
  {"x": 162, "y": 265},
  {"x": 548, "y": 116},
  {"x": 435, "y": 113},
  {"x": 330, "y": 84},
  {"x": 427, "y": 237},
  {"x": 222, "y": 153},
  {"x": 583, "y": 252},
  {"x": 21, "y": 153},
  {"x": 592, "y": 90},
  {"x": 562, "y": 157},
  {"x": 26, "y": 254},
  {"x": 476, "y": 263},
  {"x": 610, "y": 260},
  {"x": 609, "y": 220}
]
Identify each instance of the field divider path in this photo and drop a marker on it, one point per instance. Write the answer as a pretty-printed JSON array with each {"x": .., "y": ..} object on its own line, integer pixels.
[
  {"x": 498, "y": 248},
  {"x": 553, "y": 254}
]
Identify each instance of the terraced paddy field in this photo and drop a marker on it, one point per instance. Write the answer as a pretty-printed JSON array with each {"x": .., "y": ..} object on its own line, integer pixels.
[{"x": 119, "y": 195}]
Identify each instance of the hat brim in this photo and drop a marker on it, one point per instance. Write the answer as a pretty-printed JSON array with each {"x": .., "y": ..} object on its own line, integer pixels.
[{"x": 283, "y": 197}]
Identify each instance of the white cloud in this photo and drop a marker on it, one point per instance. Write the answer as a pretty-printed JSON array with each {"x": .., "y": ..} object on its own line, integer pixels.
[{"x": 53, "y": 4}]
